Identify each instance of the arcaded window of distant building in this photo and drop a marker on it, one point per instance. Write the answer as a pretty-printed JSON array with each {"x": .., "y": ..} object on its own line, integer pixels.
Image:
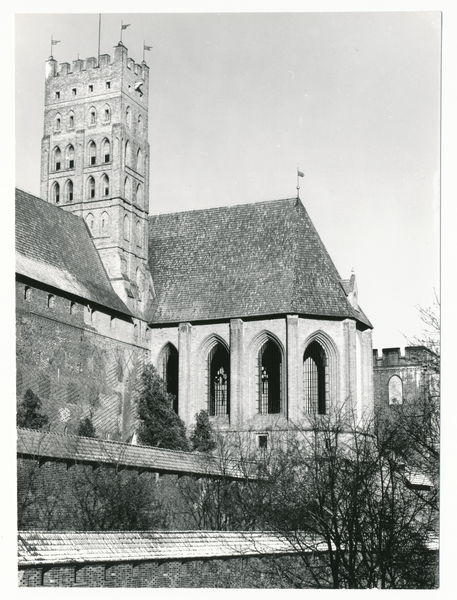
[
  {"x": 218, "y": 380},
  {"x": 270, "y": 378},
  {"x": 314, "y": 379},
  {"x": 395, "y": 390}
]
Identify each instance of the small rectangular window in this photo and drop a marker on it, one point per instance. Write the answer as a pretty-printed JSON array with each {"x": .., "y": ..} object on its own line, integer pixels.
[
  {"x": 70, "y": 197},
  {"x": 106, "y": 191},
  {"x": 106, "y": 158},
  {"x": 263, "y": 441},
  {"x": 57, "y": 166},
  {"x": 91, "y": 88},
  {"x": 57, "y": 95},
  {"x": 108, "y": 85},
  {"x": 73, "y": 91},
  {"x": 92, "y": 160},
  {"x": 71, "y": 163},
  {"x": 92, "y": 193}
]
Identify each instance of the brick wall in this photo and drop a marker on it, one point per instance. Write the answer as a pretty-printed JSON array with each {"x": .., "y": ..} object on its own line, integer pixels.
[{"x": 80, "y": 361}]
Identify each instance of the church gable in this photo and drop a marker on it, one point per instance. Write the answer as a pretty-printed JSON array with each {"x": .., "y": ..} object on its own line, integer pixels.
[{"x": 247, "y": 260}]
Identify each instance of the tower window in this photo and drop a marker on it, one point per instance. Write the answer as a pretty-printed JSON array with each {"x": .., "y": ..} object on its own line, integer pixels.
[
  {"x": 92, "y": 153},
  {"x": 106, "y": 151},
  {"x": 91, "y": 88},
  {"x": 27, "y": 293},
  {"x": 73, "y": 91},
  {"x": 126, "y": 228},
  {"x": 57, "y": 95},
  {"x": 92, "y": 116},
  {"x": 105, "y": 185},
  {"x": 170, "y": 372},
  {"x": 108, "y": 85},
  {"x": 91, "y": 188},
  {"x": 314, "y": 379},
  {"x": 138, "y": 234},
  {"x": 58, "y": 124},
  {"x": 395, "y": 390},
  {"x": 218, "y": 371},
  {"x": 56, "y": 193},
  {"x": 69, "y": 191},
  {"x": 57, "y": 159},
  {"x": 105, "y": 223},
  {"x": 51, "y": 301},
  {"x": 106, "y": 114},
  {"x": 70, "y": 157},
  {"x": 71, "y": 122},
  {"x": 270, "y": 378},
  {"x": 90, "y": 221}
]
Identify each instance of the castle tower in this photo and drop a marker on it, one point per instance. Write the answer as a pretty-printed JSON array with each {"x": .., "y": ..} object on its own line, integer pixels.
[{"x": 95, "y": 161}]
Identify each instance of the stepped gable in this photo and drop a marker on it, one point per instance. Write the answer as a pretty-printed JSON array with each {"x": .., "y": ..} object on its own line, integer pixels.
[
  {"x": 255, "y": 259},
  {"x": 55, "y": 247}
]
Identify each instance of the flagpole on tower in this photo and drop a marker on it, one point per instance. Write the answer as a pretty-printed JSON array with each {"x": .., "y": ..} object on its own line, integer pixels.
[
  {"x": 53, "y": 43},
  {"x": 99, "y": 30},
  {"x": 299, "y": 174},
  {"x": 123, "y": 27}
]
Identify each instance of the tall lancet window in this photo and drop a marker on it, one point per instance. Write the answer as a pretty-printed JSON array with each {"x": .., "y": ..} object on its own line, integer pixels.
[
  {"x": 170, "y": 371},
  {"x": 314, "y": 379},
  {"x": 219, "y": 382},
  {"x": 270, "y": 378}
]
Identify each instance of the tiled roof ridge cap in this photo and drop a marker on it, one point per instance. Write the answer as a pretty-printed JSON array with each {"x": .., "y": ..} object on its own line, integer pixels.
[
  {"x": 115, "y": 442},
  {"x": 209, "y": 208}
]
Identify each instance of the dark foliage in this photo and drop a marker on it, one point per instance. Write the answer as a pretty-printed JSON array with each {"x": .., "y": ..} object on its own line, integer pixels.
[
  {"x": 86, "y": 428},
  {"x": 28, "y": 412},
  {"x": 202, "y": 438},
  {"x": 159, "y": 425}
]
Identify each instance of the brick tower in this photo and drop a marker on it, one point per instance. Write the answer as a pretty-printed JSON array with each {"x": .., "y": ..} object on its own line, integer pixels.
[{"x": 95, "y": 162}]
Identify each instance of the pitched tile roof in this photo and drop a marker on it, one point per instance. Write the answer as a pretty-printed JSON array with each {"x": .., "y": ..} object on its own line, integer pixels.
[
  {"x": 64, "y": 547},
  {"x": 55, "y": 247},
  {"x": 46, "y": 445},
  {"x": 248, "y": 260}
]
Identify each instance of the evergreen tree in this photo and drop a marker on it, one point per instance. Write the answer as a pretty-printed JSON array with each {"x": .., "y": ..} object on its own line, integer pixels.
[
  {"x": 28, "y": 412},
  {"x": 160, "y": 425},
  {"x": 202, "y": 437},
  {"x": 86, "y": 428}
]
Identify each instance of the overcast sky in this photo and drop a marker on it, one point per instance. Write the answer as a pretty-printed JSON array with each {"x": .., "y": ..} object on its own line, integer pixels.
[{"x": 238, "y": 100}]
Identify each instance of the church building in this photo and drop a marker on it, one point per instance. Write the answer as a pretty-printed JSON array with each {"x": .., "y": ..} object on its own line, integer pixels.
[{"x": 240, "y": 308}]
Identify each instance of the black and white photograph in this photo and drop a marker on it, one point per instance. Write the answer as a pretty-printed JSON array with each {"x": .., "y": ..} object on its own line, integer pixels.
[{"x": 228, "y": 299}]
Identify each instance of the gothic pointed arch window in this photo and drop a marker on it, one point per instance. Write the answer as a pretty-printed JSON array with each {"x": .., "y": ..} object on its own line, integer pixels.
[
  {"x": 107, "y": 113},
  {"x": 139, "y": 160},
  {"x": 70, "y": 159},
  {"x": 127, "y": 157},
  {"x": 169, "y": 369},
  {"x": 126, "y": 228},
  {"x": 69, "y": 191},
  {"x": 138, "y": 234},
  {"x": 139, "y": 195},
  {"x": 106, "y": 151},
  {"x": 315, "y": 379},
  {"x": 104, "y": 224},
  {"x": 395, "y": 390},
  {"x": 91, "y": 187},
  {"x": 90, "y": 222},
  {"x": 270, "y": 378},
  {"x": 105, "y": 185},
  {"x": 218, "y": 381},
  {"x": 71, "y": 120},
  {"x": 56, "y": 193},
  {"x": 127, "y": 189},
  {"x": 57, "y": 158},
  {"x": 57, "y": 122},
  {"x": 92, "y": 116},
  {"x": 92, "y": 153}
]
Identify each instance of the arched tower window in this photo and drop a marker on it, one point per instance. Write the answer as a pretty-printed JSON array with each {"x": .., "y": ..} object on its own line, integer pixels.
[
  {"x": 56, "y": 193},
  {"x": 270, "y": 378},
  {"x": 92, "y": 153},
  {"x": 71, "y": 120},
  {"x": 70, "y": 157},
  {"x": 107, "y": 113},
  {"x": 126, "y": 228},
  {"x": 314, "y": 379},
  {"x": 138, "y": 234},
  {"x": 105, "y": 185},
  {"x": 127, "y": 189},
  {"x": 106, "y": 151},
  {"x": 69, "y": 191},
  {"x": 57, "y": 122},
  {"x": 218, "y": 381},
  {"x": 91, "y": 187},
  {"x": 139, "y": 160},
  {"x": 395, "y": 390},
  {"x": 93, "y": 116},
  {"x": 57, "y": 159},
  {"x": 139, "y": 195},
  {"x": 90, "y": 221},
  {"x": 104, "y": 223},
  {"x": 169, "y": 366},
  {"x": 127, "y": 158}
]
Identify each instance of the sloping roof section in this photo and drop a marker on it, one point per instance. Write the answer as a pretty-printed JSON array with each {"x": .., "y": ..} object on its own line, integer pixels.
[
  {"x": 67, "y": 547},
  {"x": 55, "y": 247},
  {"x": 246, "y": 260},
  {"x": 51, "y": 446}
]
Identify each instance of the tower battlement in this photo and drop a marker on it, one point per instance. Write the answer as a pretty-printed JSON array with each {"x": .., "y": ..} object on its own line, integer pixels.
[{"x": 391, "y": 357}]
